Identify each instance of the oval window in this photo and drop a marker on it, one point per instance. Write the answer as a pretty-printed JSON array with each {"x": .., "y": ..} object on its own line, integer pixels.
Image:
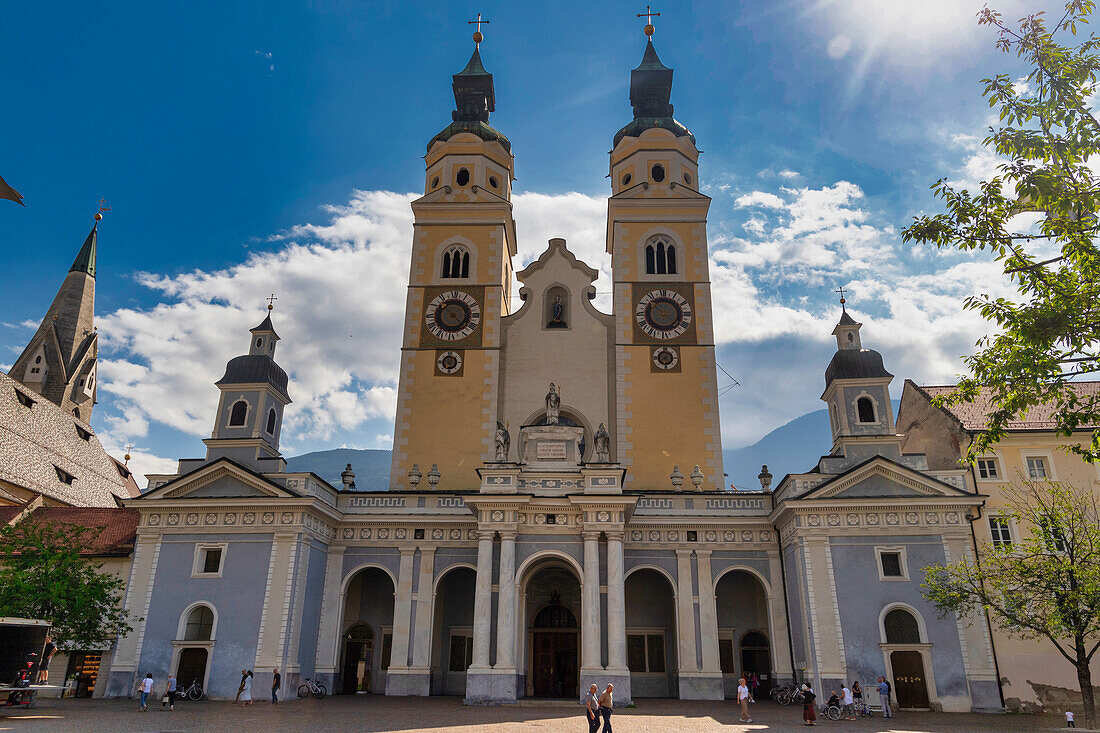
[
  {"x": 687, "y": 178},
  {"x": 493, "y": 182},
  {"x": 435, "y": 182},
  {"x": 657, "y": 172},
  {"x": 627, "y": 178},
  {"x": 463, "y": 177},
  {"x": 259, "y": 342}
]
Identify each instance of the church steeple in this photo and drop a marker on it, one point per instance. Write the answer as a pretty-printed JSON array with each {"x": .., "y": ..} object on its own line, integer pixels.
[
  {"x": 59, "y": 362},
  {"x": 475, "y": 98},
  {"x": 650, "y": 96}
]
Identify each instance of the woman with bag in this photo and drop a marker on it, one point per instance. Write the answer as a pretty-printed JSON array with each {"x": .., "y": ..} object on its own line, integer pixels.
[{"x": 809, "y": 712}]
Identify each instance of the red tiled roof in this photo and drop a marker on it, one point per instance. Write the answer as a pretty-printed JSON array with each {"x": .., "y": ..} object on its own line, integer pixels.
[
  {"x": 8, "y": 513},
  {"x": 974, "y": 415},
  {"x": 115, "y": 528}
]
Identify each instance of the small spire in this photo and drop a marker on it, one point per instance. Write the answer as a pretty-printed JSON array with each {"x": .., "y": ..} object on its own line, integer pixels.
[{"x": 85, "y": 259}]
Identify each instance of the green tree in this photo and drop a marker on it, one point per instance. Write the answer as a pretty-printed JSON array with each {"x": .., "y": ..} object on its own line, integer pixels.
[
  {"x": 43, "y": 576},
  {"x": 1048, "y": 137},
  {"x": 1044, "y": 587}
]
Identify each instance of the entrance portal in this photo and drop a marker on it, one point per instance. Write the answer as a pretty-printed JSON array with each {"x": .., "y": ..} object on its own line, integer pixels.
[
  {"x": 191, "y": 667},
  {"x": 554, "y": 649},
  {"x": 909, "y": 684},
  {"x": 743, "y": 631},
  {"x": 358, "y": 659}
]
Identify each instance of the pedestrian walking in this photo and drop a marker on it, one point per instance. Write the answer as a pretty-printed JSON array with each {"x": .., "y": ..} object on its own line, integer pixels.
[
  {"x": 240, "y": 687},
  {"x": 44, "y": 665},
  {"x": 170, "y": 694},
  {"x": 607, "y": 706},
  {"x": 809, "y": 712},
  {"x": 848, "y": 702},
  {"x": 743, "y": 697},
  {"x": 1069, "y": 719},
  {"x": 884, "y": 696},
  {"x": 145, "y": 687},
  {"x": 276, "y": 683},
  {"x": 246, "y": 689},
  {"x": 592, "y": 709}
]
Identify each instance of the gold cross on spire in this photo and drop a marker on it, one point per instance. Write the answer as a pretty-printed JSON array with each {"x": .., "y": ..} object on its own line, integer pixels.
[
  {"x": 478, "y": 38},
  {"x": 271, "y": 301},
  {"x": 649, "y": 15},
  {"x": 102, "y": 207},
  {"x": 842, "y": 291}
]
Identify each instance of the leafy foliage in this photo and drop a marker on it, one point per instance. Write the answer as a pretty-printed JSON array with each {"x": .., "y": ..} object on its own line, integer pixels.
[
  {"x": 43, "y": 576},
  {"x": 1046, "y": 586},
  {"x": 1050, "y": 140}
]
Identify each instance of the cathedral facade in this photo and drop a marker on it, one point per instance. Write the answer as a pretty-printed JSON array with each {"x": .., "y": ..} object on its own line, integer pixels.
[{"x": 557, "y": 513}]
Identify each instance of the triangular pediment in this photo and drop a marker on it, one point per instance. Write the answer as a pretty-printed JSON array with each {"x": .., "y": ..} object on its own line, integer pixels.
[
  {"x": 641, "y": 192},
  {"x": 221, "y": 479},
  {"x": 881, "y": 478},
  {"x": 473, "y": 195}
]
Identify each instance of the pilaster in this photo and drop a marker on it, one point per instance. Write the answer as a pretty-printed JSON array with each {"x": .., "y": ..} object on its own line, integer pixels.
[{"x": 590, "y": 605}]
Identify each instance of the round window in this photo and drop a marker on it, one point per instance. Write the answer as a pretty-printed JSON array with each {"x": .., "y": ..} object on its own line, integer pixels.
[
  {"x": 463, "y": 177},
  {"x": 687, "y": 178},
  {"x": 493, "y": 182},
  {"x": 435, "y": 182},
  {"x": 657, "y": 172},
  {"x": 627, "y": 178},
  {"x": 259, "y": 342}
]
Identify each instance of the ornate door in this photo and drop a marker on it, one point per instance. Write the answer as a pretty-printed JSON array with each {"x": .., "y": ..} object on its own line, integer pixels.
[
  {"x": 910, "y": 687},
  {"x": 555, "y": 658}
]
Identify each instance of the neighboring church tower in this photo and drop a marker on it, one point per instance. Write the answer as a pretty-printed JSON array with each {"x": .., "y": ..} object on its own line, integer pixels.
[
  {"x": 464, "y": 238},
  {"x": 667, "y": 393},
  {"x": 59, "y": 363},
  {"x": 250, "y": 410}
]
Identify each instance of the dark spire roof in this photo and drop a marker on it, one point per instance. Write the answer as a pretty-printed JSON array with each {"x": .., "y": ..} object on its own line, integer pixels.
[
  {"x": 475, "y": 98},
  {"x": 266, "y": 326},
  {"x": 845, "y": 319},
  {"x": 855, "y": 364},
  {"x": 85, "y": 259},
  {"x": 255, "y": 369},
  {"x": 650, "y": 96}
]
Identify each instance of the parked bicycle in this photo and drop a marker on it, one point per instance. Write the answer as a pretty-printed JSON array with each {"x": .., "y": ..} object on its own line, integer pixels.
[
  {"x": 194, "y": 692},
  {"x": 309, "y": 688},
  {"x": 862, "y": 709}
]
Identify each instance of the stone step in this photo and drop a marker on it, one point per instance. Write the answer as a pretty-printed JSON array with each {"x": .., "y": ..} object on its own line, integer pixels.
[{"x": 546, "y": 702}]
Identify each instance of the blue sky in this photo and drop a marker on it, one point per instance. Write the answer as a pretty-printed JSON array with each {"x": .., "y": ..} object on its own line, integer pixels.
[{"x": 268, "y": 146}]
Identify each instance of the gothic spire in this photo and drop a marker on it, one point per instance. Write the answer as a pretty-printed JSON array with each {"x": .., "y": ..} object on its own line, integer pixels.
[{"x": 85, "y": 259}]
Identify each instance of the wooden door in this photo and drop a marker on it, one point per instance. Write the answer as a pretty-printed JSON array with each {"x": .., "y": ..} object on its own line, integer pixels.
[
  {"x": 910, "y": 687},
  {"x": 191, "y": 667},
  {"x": 555, "y": 664}
]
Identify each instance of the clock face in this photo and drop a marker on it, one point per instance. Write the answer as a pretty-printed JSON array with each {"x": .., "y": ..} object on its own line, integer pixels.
[
  {"x": 452, "y": 315},
  {"x": 449, "y": 362},
  {"x": 666, "y": 358},
  {"x": 663, "y": 314}
]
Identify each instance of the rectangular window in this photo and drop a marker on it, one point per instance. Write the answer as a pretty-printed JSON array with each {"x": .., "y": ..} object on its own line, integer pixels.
[
  {"x": 725, "y": 656},
  {"x": 645, "y": 652},
  {"x": 209, "y": 560},
  {"x": 987, "y": 468},
  {"x": 462, "y": 652},
  {"x": 891, "y": 564},
  {"x": 212, "y": 560},
  {"x": 1037, "y": 467},
  {"x": 999, "y": 532}
]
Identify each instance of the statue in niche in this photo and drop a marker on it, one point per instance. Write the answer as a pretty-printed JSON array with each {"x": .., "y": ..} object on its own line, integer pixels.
[
  {"x": 603, "y": 444},
  {"x": 556, "y": 316},
  {"x": 503, "y": 441},
  {"x": 553, "y": 405}
]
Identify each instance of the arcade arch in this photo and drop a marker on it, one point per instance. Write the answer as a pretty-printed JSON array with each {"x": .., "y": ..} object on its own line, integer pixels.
[
  {"x": 651, "y": 633},
  {"x": 550, "y": 606},
  {"x": 452, "y": 630},
  {"x": 366, "y": 631},
  {"x": 744, "y": 631}
]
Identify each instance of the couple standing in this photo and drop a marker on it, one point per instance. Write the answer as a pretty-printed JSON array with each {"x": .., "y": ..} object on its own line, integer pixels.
[{"x": 596, "y": 706}]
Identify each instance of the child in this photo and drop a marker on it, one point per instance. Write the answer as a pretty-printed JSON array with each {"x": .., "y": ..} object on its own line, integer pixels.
[{"x": 1069, "y": 720}]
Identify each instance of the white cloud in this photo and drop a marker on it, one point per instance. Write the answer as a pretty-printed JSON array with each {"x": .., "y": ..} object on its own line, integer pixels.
[{"x": 839, "y": 47}]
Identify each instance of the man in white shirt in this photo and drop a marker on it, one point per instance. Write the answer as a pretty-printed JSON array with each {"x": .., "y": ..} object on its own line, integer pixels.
[
  {"x": 848, "y": 702},
  {"x": 743, "y": 698}
]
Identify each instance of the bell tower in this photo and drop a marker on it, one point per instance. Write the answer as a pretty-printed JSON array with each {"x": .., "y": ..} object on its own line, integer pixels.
[
  {"x": 667, "y": 395},
  {"x": 464, "y": 238}
]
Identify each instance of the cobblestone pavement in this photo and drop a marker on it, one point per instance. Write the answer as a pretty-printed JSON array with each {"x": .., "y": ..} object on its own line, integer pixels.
[{"x": 376, "y": 714}]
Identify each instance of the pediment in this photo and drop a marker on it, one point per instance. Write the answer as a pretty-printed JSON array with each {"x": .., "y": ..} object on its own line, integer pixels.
[
  {"x": 473, "y": 195},
  {"x": 222, "y": 479},
  {"x": 881, "y": 478},
  {"x": 676, "y": 191}
]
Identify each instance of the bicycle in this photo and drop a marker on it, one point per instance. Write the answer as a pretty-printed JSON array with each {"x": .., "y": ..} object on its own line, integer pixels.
[
  {"x": 862, "y": 708},
  {"x": 310, "y": 688},
  {"x": 194, "y": 692}
]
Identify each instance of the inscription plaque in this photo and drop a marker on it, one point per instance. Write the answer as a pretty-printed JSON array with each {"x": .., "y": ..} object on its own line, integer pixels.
[{"x": 550, "y": 451}]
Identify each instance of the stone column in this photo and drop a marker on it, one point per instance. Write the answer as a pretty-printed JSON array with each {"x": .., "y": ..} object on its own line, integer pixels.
[
  {"x": 506, "y": 604},
  {"x": 685, "y": 613},
  {"x": 483, "y": 600},
  {"x": 708, "y": 614},
  {"x": 590, "y": 605},
  {"x": 402, "y": 610},
  {"x": 420, "y": 677},
  {"x": 616, "y": 603}
]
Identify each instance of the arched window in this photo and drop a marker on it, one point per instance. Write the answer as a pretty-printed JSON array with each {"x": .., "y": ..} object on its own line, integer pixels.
[
  {"x": 555, "y": 616},
  {"x": 238, "y": 413},
  {"x": 271, "y": 418},
  {"x": 865, "y": 409},
  {"x": 901, "y": 627},
  {"x": 456, "y": 262},
  {"x": 200, "y": 624},
  {"x": 660, "y": 257}
]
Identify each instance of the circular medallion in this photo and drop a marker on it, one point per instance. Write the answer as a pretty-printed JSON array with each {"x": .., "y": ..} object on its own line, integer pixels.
[
  {"x": 449, "y": 362},
  {"x": 665, "y": 357},
  {"x": 663, "y": 314},
  {"x": 452, "y": 315}
]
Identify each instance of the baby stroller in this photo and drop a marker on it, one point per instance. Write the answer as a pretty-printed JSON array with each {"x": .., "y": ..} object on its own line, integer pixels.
[{"x": 24, "y": 677}]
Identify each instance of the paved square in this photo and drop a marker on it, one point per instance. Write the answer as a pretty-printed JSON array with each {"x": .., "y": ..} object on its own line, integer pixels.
[{"x": 377, "y": 714}]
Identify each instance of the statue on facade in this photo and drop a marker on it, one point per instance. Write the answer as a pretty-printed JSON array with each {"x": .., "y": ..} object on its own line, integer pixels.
[
  {"x": 557, "y": 309},
  {"x": 553, "y": 405},
  {"x": 603, "y": 444},
  {"x": 503, "y": 441}
]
